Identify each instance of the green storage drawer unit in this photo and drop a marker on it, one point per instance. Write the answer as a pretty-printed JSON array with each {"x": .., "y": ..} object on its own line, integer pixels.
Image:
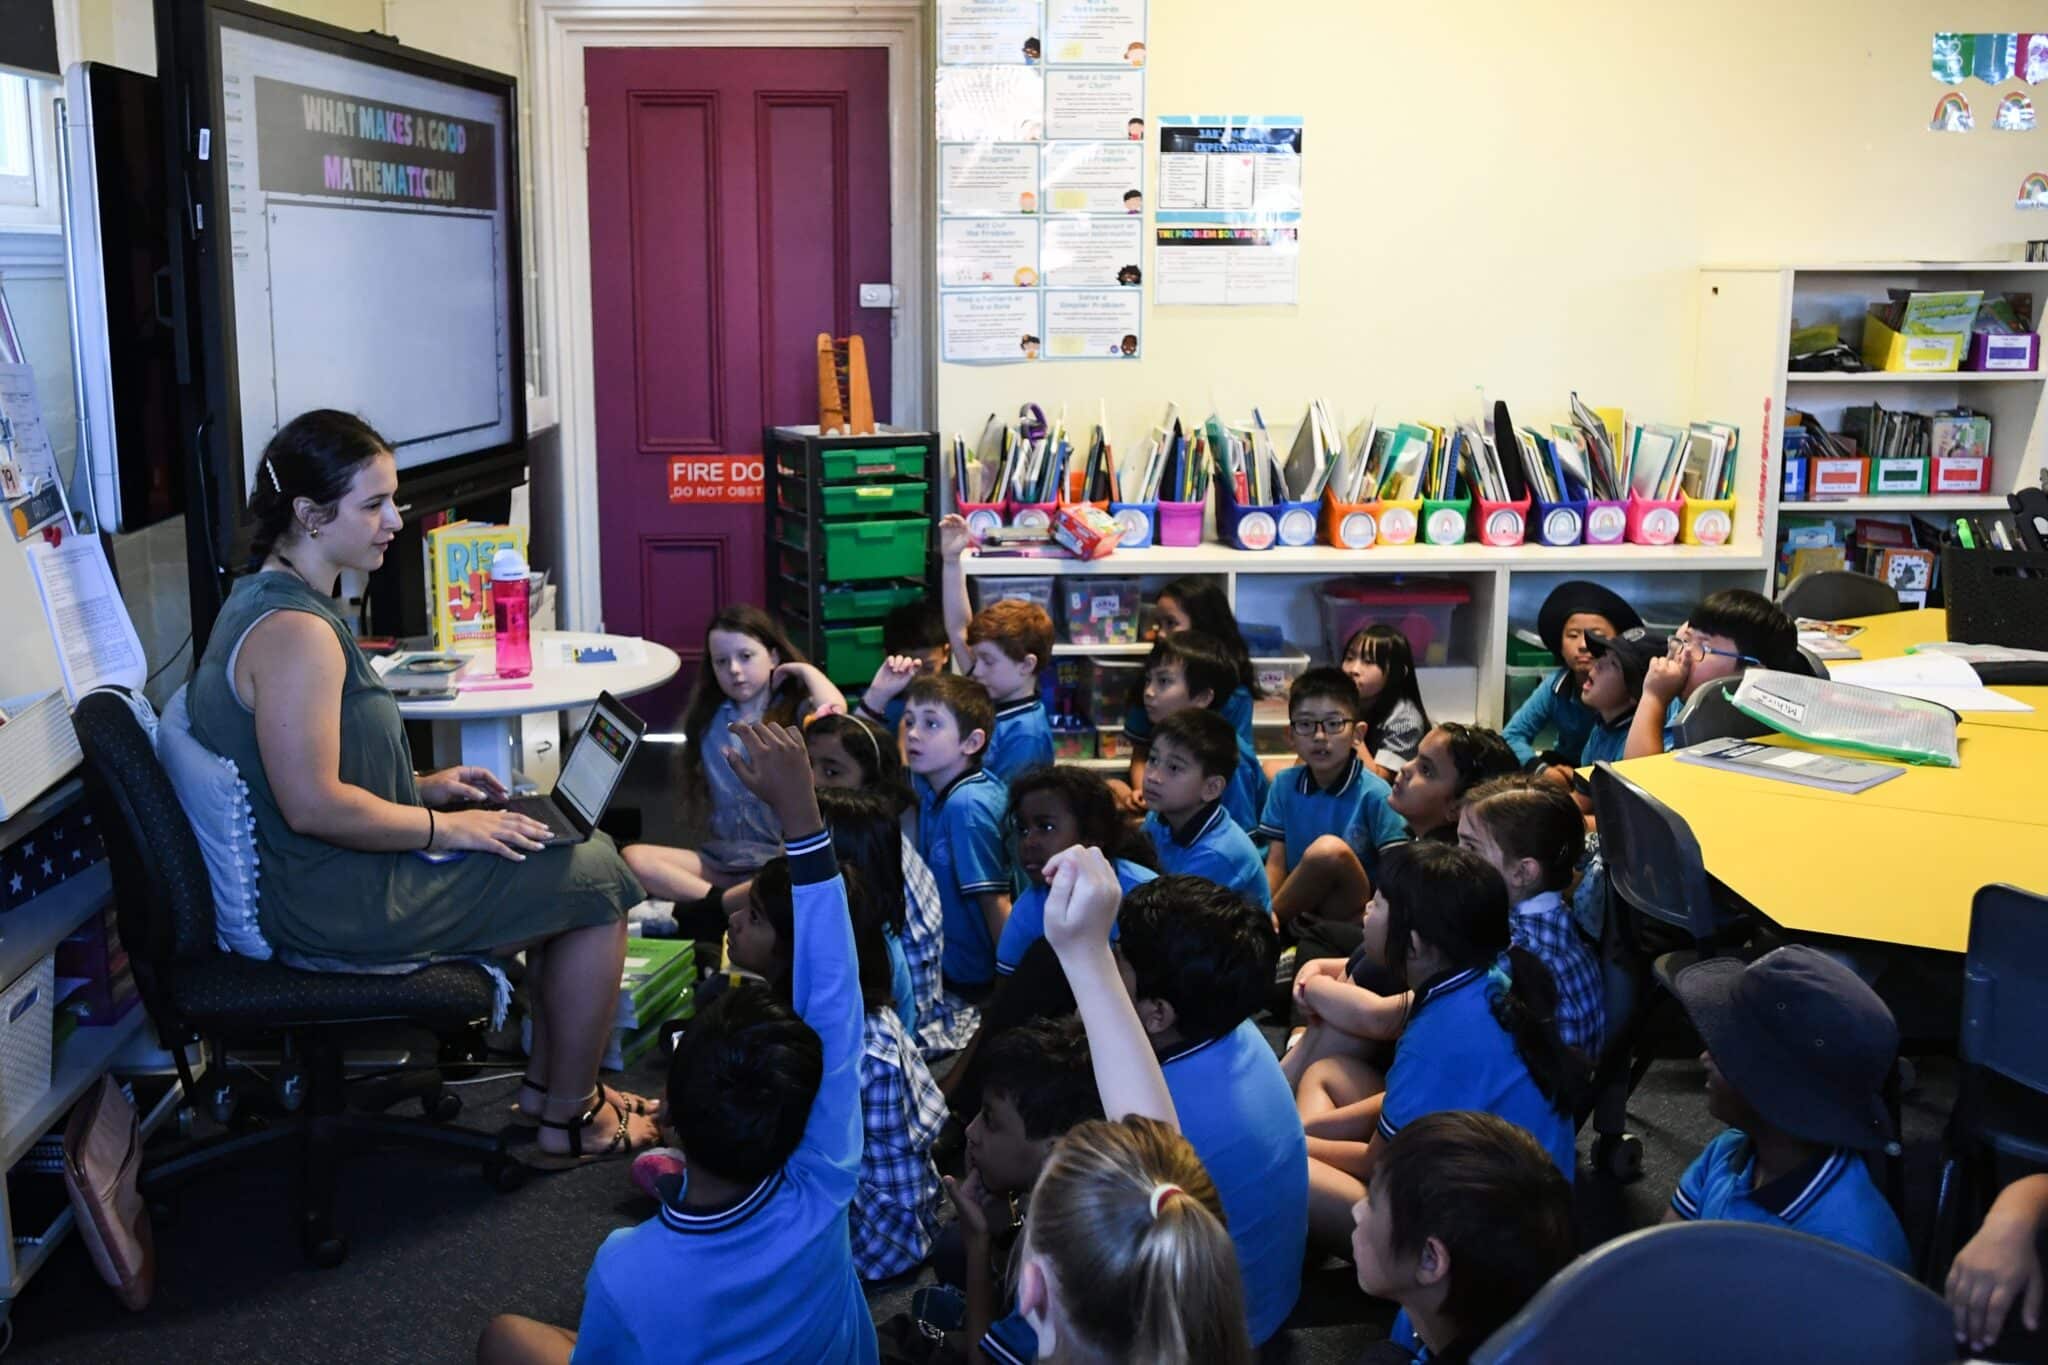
[
  {"x": 848, "y": 654},
  {"x": 859, "y": 500},
  {"x": 872, "y": 462},
  {"x": 865, "y": 604},
  {"x": 892, "y": 547}
]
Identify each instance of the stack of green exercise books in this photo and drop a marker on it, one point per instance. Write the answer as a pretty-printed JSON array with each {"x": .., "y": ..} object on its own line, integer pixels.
[{"x": 659, "y": 984}]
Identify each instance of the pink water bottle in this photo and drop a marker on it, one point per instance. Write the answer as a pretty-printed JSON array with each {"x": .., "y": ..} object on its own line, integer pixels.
[{"x": 508, "y": 613}]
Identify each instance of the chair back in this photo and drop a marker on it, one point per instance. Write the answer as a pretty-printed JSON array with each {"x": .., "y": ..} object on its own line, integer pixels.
[
  {"x": 1709, "y": 713},
  {"x": 1653, "y": 861},
  {"x": 1705, "y": 1292},
  {"x": 2005, "y": 986},
  {"x": 1836, "y": 595},
  {"x": 163, "y": 898}
]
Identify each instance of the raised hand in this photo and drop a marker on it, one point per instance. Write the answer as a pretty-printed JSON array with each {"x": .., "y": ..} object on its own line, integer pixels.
[
  {"x": 1082, "y": 899},
  {"x": 772, "y": 763}
]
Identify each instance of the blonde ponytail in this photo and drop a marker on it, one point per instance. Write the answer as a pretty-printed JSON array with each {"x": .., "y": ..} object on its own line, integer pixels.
[{"x": 1133, "y": 1233}]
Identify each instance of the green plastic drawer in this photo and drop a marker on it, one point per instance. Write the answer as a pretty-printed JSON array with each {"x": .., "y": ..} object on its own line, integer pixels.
[
  {"x": 851, "y": 654},
  {"x": 873, "y": 462},
  {"x": 891, "y": 547},
  {"x": 859, "y": 500},
  {"x": 865, "y": 604}
]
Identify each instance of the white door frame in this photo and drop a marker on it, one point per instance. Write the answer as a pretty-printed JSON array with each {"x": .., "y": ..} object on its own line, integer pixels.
[{"x": 562, "y": 32}]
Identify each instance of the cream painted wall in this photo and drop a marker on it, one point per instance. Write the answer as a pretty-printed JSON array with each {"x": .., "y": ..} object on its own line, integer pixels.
[
  {"x": 1516, "y": 193},
  {"x": 485, "y": 32}
]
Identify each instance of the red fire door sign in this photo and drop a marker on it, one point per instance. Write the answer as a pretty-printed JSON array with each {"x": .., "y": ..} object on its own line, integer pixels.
[{"x": 715, "y": 478}]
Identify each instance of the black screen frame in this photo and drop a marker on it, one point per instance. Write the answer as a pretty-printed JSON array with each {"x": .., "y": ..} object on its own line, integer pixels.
[{"x": 188, "y": 44}]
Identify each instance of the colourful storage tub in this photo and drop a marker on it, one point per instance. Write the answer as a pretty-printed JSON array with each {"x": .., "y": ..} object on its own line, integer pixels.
[{"x": 1424, "y": 611}]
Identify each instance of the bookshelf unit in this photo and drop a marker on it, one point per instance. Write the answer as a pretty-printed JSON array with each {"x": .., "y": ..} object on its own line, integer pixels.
[{"x": 1746, "y": 317}]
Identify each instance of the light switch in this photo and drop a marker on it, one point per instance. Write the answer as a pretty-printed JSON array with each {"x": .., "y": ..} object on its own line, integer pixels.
[{"x": 878, "y": 296}]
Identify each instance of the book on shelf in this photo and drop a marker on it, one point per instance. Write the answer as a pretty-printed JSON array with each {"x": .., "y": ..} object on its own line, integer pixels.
[{"x": 459, "y": 580}]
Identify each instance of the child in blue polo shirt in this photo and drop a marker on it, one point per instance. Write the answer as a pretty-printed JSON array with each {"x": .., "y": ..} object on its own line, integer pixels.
[
  {"x": 1557, "y": 705},
  {"x": 1798, "y": 1050},
  {"x": 1612, "y": 689},
  {"x": 1194, "y": 753},
  {"x": 960, "y": 834},
  {"x": 1330, "y": 794},
  {"x": 1478, "y": 1033},
  {"x": 1465, "y": 1219},
  {"x": 1199, "y": 960},
  {"x": 1005, "y": 647},
  {"x": 1189, "y": 671},
  {"x": 1730, "y": 631},
  {"x": 749, "y": 1257},
  {"x": 1059, "y": 808}
]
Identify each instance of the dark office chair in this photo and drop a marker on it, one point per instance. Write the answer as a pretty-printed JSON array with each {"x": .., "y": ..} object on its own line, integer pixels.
[
  {"x": 1661, "y": 915},
  {"x": 2002, "y": 1099},
  {"x": 1711, "y": 1292},
  {"x": 1709, "y": 714},
  {"x": 195, "y": 992},
  {"x": 1837, "y": 595}
]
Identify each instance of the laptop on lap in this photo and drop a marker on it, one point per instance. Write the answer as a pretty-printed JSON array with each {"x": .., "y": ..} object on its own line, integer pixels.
[{"x": 596, "y": 760}]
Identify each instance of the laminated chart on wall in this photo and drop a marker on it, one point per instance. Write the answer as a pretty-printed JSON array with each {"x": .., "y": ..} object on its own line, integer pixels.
[
  {"x": 1227, "y": 210},
  {"x": 1040, "y": 111}
]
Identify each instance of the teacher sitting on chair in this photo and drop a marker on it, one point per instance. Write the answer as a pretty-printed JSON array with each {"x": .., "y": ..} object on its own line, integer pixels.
[{"x": 285, "y": 692}]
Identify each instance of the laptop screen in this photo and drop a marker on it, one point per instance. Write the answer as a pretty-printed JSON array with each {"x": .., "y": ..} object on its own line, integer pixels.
[{"x": 594, "y": 766}]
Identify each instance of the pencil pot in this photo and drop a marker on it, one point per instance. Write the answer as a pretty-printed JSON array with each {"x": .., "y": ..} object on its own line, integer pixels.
[
  {"x": 1032, "y": 516},
  {"x": 1654, "y": 521},
  {"x": 1503, "y": 523},
  {"x": 1560, "y": 523},
  {"x": 1606, "y": 522},
  {"x": 1400, "y": 519},
  {"x": 1349, "y": 525},
  {"x": 1708, "y": 521},
  {"x": 1139, "y": 520},
  {"x": 1247, "y": 527},
  {"x": 1298, "y": 523},
  {"x": 1996, "y": 597},
  {"x": 982, "y": 517},
  {"x": 1180, "y": 523},
  {"x": 1444, "y": 522}
]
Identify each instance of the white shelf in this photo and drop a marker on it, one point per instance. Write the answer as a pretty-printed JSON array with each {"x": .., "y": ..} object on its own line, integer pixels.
[
  {"x": 1915, "y": 377},
  {"x": 1910, "y": 502},
  {"x": 30, "y": 934},
  {"x": 1327, "y": 559},
  {"x": 1131, "y": 651},
  {"x": 1884, "y": 267}
]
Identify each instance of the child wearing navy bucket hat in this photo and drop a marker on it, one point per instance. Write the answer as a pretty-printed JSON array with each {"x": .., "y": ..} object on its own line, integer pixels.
[
  {"x": 1798, "y": 1050},
  {"x": 1613, "y": 686},
  {"x": 1572, "y": 610}
]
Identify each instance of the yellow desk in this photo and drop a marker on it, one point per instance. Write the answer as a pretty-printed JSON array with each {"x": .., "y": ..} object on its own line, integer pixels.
[{"x": 1887, "y": 637}]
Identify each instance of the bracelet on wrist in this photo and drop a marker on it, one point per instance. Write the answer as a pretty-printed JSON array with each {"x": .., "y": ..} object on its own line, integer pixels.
[{"x": 428, "y": 847}]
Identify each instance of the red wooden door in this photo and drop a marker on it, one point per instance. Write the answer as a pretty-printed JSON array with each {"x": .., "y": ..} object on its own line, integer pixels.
[{"x": 739, "y": 197}]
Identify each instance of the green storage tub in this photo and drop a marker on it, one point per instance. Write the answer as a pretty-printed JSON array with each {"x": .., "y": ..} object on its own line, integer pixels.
[
  {"x": 872, "y": 462},
  {"x": 889, "y": 547},
  {"x": 862, "y": 499},
  {"x": 850, "y": 654},
  {"x": 864, "y": 604}
]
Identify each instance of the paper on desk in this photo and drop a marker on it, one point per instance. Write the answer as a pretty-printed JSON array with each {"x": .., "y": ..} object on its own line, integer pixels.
[
  {"x": 1936, "y": 677},
  {"x": 96, "y": 642},
  {"x": 626, "y": 649},
  {"x": 21, "y": 426}
]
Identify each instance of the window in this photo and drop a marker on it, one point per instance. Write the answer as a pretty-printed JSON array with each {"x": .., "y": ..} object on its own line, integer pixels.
[{"x": 28, "y": 179}]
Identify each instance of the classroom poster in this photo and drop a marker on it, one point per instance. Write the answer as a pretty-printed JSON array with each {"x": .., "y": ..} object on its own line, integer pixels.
[
  {"x": 988, "y": 31},
  {"x": 1096, "y": 32},
  {"x": 989, "y": 104},
  {"x": 1093, "y": 324},
  {"x": 1228, "y": 210},
  {"x": 1094, "y": 177},
  {"x": 982, "y": 178},
  {"x": 1095, "y": 106},
  {"x": 989, "y": 326},
  {"x": 988, "y": 253},
  {"x": 1094, "y": 252}
]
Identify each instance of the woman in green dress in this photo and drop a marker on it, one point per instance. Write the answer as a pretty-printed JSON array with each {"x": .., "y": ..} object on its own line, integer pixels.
[{"x": 285, "y": 692}]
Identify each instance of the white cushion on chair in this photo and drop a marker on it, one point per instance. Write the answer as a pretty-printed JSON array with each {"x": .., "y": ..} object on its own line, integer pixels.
[{"x": 216, "y": 800}]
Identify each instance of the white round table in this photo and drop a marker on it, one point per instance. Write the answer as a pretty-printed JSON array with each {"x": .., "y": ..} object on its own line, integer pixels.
[{"x": 481, "y": 725}]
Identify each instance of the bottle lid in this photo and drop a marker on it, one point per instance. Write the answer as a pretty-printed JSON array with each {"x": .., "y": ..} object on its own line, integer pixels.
[{"x": 507, "y": 565}]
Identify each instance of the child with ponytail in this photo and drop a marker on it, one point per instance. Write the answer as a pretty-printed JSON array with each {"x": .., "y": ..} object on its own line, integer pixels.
[{"x": 1477, "y": 1032}]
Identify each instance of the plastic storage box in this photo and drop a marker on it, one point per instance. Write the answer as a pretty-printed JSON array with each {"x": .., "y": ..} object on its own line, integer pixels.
[
  {"x": 1113, "y": 688},
  {"x": 1035, "y": 589},
  {"x": 865, "y": 604},
  {"x": 892, "y": 547},
  {"x": 1275, "y": 674},
  {"x": 27, "y": 1013},
  {"x": 1424, "y": 611},
  {"x": 1102, "y": 611},
  {"x": 868, "y": 462}
]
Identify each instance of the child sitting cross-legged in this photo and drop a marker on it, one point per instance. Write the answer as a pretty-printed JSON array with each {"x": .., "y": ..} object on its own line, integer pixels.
[
  {"x": 750, "y": 1257},
  {"x": 1194, "y": 755},
  {"x": 1124, "y": 1253},
  {"x": 960, "y": 826},
  {"x": 1330, "y": 797},
  {"x": 1190, "y": 671},
  {"x": 1475, "y": 1033},
  {"x": 1798, "y": 1053},
  {"x": 1465, "y": 1218}
]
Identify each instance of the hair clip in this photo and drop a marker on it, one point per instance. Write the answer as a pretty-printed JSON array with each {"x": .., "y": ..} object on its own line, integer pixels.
[
  {"x": 1161, "y": 1193},
  {"x": 271, "y": 470}
]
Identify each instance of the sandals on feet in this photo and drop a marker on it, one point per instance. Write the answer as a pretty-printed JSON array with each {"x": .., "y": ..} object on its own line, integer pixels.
[
  {"x": 637, "y": 1105},
  {"x": 621, "y": 1144}
]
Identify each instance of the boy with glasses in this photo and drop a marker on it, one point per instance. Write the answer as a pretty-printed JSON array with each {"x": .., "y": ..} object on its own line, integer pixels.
[{"x": 1730, "y": 631}]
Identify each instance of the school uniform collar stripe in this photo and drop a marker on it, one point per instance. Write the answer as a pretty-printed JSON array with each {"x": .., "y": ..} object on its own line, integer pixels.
[
  {"x": 999, "y": 1351},
  {"x": 1567, "y": 682},
  {"x": 798, "y": 847},
  {"x": 680, "y": 1219},
  {"x": 1191, "y": 1049},
  {"x": 1792, "y": 1196},
  {"x": 971, "y": 775},
  {"x": 1306, "y": 783},
  {"x": 1444, "y": 986},
  {"x": 1684, "y": 1203},
  {"x": 1018, "y": 708},
  {"x": 1198, "y": 826}
]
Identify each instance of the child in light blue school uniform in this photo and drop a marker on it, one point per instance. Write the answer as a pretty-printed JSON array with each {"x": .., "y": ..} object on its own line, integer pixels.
[
  {"x": 1188, "y": 670},
  {"x": 1729, "y": 632},
  {"x": 1006, "y": 647},
  {"x": 1557, "y": 705},
  {"x": 1194, "y": 752},
  {"x": 1798, "y": 1050},
  {"x": 1613, "y": 687},
  {"x": 1330, "y": 794},
  {"x": 961, "y": 829}
]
